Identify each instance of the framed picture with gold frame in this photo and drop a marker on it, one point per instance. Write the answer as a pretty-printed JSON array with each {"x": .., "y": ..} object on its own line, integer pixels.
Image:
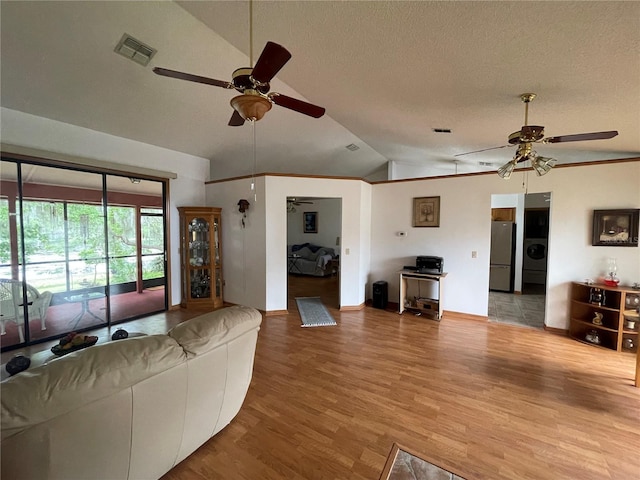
[{"x": 426, "y": 212}]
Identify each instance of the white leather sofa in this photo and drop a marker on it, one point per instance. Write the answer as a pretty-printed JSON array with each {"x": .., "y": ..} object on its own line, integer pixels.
[{"x": 129, "y": 409}]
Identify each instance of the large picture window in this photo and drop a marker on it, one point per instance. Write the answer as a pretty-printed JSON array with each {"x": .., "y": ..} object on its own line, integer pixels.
[{"x": 89, "y": 247}]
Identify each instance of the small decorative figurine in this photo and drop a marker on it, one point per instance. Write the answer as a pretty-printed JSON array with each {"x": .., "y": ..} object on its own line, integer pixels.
[
  {"x": 597, "y": 319},
  {"x": 596, "y": 296},
  {"x": 592, "y": 336}
]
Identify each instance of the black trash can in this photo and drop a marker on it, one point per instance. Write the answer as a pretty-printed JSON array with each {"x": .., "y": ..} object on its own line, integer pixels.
[{"x": 380, "y": 294}]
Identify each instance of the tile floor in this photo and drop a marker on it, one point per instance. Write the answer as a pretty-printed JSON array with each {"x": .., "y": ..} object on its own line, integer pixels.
[
  {"x": 526, "y": 310},
  {"x": 410, "y": 467}
]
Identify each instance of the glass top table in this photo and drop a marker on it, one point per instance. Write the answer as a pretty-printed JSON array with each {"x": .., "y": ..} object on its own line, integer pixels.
[{"x": 84, "y": 299}]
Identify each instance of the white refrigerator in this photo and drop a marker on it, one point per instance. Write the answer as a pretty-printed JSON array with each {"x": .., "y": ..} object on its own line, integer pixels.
[{"x": 503, "y": 235}]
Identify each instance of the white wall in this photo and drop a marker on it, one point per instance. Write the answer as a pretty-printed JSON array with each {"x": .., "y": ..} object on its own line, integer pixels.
[
  {"x": 465, "y": 226},
  {"x": 355, "y": 240},
  {"x": 244, "y": 258},
  {"x": 329, "y": 223},
  {"x": 262, "y": 282},
  {"x": 30, "y": 131},
  {"x": 403, "y": 170}
]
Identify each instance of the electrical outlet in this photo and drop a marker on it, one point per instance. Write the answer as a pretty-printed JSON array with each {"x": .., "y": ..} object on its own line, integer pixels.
[{"x": 474, "y": 254}]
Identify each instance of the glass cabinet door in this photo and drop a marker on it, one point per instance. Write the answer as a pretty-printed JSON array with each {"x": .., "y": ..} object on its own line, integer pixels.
[
  {"x": 199, "y": 258},
  {"x": 216, "y": 248}
]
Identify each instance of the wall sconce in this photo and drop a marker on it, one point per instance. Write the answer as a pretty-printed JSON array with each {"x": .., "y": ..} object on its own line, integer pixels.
[{"x": 135, "y": 180}]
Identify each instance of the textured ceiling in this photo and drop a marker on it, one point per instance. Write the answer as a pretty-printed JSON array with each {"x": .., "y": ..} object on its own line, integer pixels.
[{"x": 387, "y": 73}]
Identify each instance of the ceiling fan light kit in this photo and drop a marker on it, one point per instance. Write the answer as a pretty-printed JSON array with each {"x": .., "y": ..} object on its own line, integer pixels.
[
  {"x": 506, "y": 170},
  {"x": 530, "y": 134},
  {"x": 542, "y": 165},
  {"x": 251, "y": 107}
]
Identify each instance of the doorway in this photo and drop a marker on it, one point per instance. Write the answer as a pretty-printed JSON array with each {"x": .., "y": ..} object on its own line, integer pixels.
[
  {"x": 523, "y": 302},
  {"x": 314, "y": 232}
]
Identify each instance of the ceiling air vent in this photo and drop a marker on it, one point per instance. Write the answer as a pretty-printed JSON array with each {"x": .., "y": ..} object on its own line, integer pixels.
[
  {"x": 135, "y": 50},
  {"x": 353, "y": 147},
  {"x": 485, "y": 164},
  {"x": 441, "y": 130}
]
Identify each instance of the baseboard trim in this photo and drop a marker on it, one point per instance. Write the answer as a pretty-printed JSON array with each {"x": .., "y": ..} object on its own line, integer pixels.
[
  {"x": 449, "y": 315},
  {"x": 351, "y": 308},
  {"x": 557, "y": 331},
  {"x": 275, "y": 313}
]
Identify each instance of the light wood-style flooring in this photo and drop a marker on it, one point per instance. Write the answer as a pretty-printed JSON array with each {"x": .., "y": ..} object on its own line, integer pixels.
[{"x": 490, "y": 400}]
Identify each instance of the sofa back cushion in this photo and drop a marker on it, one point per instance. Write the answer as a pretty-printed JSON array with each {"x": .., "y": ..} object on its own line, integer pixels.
[
  {"x": 65, "y": 384},
  {"x": 207, "y": 331}
]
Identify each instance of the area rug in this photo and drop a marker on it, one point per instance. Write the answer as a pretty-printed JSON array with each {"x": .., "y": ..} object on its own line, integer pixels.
[
  {"x": 404, "y": 465},
  {"x": 313, "y": 313}
]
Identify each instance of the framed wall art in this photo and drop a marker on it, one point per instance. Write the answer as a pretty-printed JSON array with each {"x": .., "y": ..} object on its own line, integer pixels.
[
  {"x": 310, "y": 222},
  {"x": 426, "y": 212},
  {"x": 615, "y": 228}
]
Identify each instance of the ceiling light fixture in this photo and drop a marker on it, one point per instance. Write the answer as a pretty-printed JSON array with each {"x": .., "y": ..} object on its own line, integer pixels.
[
  {"x": 135, "y": 180},
  {"x": 507, "y": 169},
  {"x": 542, "y": 165},
  {"x": 251, "y": 106}
]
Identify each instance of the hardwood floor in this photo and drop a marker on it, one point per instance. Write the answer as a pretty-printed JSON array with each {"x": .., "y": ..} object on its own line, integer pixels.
[{"x": 491, "y": 400}]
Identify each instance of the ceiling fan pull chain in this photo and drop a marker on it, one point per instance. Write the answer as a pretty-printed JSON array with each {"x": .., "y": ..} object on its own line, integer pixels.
[{"x": 253, "y": 177}]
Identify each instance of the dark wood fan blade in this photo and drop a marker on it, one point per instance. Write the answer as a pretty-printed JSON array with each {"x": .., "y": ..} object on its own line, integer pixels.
[
  {"x": 236, "y": 120},
  {"x": 165, "y": 72},
  {"x": 297, "y": 105},
  {"x": 271, "y": 60},
  {"x": 581, "y": 137},
  {"x": 483, "y": 150}
]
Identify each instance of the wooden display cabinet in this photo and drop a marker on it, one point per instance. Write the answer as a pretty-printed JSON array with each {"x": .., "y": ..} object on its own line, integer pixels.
[
  {"x": 619, "y": 306},
  {"x": 201, "y": 262}
]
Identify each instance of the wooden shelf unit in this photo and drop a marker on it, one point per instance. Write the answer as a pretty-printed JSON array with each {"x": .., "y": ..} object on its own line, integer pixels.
[
  {"x": 422, "y": 305},
  {"x": 620, "y": 303}
]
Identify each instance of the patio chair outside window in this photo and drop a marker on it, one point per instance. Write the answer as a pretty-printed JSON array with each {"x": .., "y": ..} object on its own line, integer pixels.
[{"x": 12, "y": 307}]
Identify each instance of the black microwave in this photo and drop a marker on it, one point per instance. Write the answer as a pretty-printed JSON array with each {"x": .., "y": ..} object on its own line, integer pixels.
[{"x": 429, "y": 264}]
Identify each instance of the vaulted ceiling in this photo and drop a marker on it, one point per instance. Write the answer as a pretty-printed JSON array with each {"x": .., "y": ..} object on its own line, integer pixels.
[{"x": 388, "y": 73}]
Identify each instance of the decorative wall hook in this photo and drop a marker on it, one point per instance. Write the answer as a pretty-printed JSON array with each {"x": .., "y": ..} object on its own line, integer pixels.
[{"x": 243, "y": 206}]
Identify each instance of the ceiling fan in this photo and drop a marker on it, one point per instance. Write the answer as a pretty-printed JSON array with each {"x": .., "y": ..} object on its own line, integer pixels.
[
  {"x": 292, "y": 203},
  {"x": 253, "y": 84},
  {"x": 530, "y": 134}
]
